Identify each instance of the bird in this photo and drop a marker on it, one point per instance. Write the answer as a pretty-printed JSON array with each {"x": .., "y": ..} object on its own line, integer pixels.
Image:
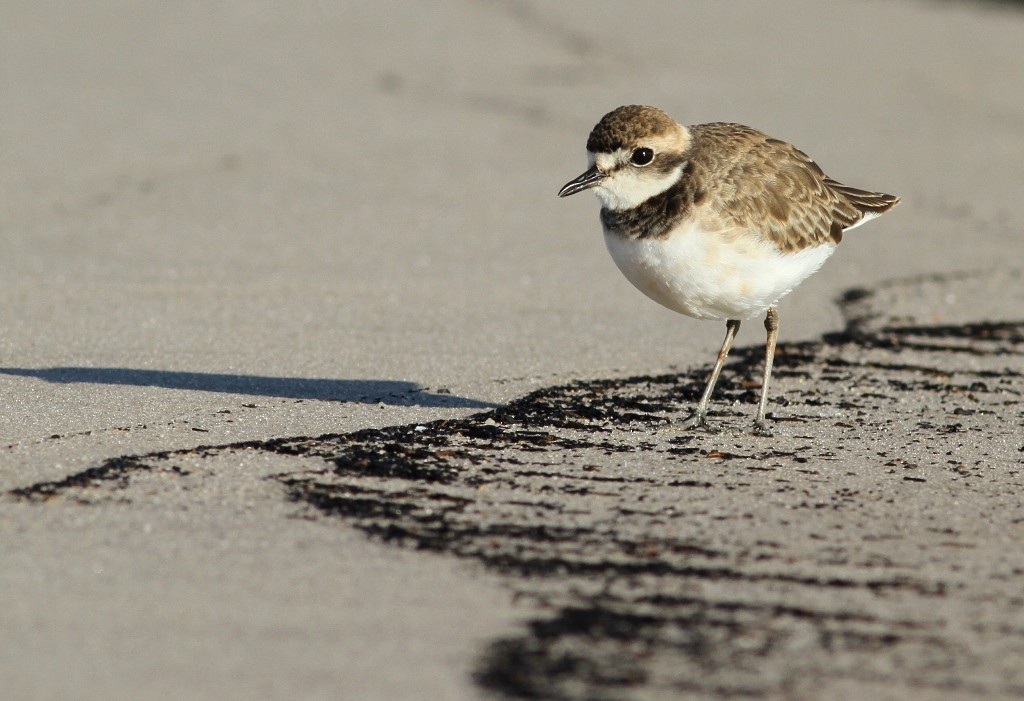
[{"x": 716, "y": 221}]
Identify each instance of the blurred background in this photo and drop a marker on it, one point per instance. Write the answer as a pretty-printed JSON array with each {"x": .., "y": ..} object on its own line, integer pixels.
[
  {"x": 347, "y": 191},
  {"x": 240, "y": 219}
]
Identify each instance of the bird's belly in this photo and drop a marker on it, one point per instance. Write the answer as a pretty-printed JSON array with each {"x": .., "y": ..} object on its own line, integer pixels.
[{"x": 713, "y": 275}]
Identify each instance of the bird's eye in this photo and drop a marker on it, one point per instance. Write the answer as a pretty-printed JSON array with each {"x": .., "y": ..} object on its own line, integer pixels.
[{"x": 641, "y": 156}]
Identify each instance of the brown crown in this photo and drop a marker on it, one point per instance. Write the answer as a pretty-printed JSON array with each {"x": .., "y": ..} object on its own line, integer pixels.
[{"x": 625, "y": 126}]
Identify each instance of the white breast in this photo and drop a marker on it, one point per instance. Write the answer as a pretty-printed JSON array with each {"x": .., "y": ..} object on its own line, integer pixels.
[{"x": 713, "y": 275}]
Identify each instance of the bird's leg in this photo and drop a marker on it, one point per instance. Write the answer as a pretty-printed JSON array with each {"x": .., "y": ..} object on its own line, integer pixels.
[
  {"x": 700, "y": 416},
  {"x": 771, "y": 325}
]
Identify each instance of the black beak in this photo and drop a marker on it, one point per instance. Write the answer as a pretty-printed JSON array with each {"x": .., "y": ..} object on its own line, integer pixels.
[{"x": 584, "y": 182}]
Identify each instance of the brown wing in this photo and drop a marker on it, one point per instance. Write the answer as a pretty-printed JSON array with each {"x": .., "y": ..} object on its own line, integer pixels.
[
  {"x": 869, "y": 203},
  {"x": 764, "y": 185}
]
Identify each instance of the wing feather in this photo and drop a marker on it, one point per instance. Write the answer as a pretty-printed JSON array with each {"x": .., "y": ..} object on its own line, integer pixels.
[{"x": 759, "y": 184}]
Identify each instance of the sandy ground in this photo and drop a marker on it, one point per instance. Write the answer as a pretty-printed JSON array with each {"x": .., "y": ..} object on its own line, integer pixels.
[{"x": 274, "y": 279}]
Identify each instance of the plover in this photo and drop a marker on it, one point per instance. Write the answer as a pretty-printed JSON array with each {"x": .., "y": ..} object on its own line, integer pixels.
[{"x": 716, "y": 221}]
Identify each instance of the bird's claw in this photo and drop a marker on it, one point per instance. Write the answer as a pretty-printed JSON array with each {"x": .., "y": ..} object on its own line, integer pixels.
[{"x": 696, "y": 420}]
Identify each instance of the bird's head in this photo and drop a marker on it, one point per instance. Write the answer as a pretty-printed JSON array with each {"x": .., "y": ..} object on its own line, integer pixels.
[{"x": 635, "y": 152}]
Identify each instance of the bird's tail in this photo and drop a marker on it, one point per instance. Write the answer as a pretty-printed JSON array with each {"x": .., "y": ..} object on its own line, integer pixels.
[{"x": 869, "y": 203}]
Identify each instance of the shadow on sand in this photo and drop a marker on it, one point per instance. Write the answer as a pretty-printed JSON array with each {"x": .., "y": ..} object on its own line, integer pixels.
[{"x": 392, "y": 392}]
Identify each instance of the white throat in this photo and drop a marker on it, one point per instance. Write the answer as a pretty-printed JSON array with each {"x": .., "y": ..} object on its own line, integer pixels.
[{"x": 627, "y": 186}]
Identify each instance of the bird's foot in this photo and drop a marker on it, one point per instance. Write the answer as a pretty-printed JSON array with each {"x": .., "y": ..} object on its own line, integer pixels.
[
  {"x": 761, "y": 428},
  {"x": 697, "y": 419}
]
